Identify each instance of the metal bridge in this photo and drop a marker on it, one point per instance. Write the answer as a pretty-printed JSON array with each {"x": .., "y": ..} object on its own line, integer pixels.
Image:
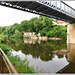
[{"x": 53, "y": 9}]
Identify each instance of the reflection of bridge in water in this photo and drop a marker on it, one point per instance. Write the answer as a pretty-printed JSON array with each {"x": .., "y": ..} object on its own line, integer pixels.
[{"x": 70, "y": 68}]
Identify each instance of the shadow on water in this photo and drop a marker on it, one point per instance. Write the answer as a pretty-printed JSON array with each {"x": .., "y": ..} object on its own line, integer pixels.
[{"x": 70, "y": 68}]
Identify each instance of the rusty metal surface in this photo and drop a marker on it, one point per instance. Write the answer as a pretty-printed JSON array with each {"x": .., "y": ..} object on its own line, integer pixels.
[
  {"x": 10, "y": 64},
  {"x": 5, "y": 63},
  {"x": 3, "y": 67}
]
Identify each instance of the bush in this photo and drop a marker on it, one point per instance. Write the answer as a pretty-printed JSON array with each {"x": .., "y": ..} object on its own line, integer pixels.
[
  {"x": 22, "y": 66},
  {"x": 5, "y": 48}
]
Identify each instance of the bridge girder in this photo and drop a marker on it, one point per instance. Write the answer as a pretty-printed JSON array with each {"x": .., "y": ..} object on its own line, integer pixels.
[{"x": 40, "y": 8}]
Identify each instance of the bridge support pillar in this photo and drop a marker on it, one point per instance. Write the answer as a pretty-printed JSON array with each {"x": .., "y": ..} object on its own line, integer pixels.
[{"x": 71, "y": 33}]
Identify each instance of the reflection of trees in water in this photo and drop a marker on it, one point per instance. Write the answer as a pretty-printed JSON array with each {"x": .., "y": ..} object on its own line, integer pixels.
[
  {"x": 43, "y": 50},
  {"x": 60, "y": 56}
]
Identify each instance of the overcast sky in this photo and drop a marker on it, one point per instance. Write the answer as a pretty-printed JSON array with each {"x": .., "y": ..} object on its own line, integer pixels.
[
  {"x": 71, "y": 3},
  {"x": 9, "y": 16}
]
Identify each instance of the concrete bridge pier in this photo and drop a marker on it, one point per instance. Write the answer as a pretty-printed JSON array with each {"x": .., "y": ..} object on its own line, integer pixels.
[{"x": 71, "y": 33}]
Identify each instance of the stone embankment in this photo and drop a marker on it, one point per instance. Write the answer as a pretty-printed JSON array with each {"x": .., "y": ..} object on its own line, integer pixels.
[
  {"x": 32, "y": 36},
  {"x": 54, "y": 38},
  {"x": 43, "y": 38}
]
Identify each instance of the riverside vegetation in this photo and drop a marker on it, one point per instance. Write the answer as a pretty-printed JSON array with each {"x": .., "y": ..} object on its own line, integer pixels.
[
  {"x": 43, "y": 25},
  {"x": 22, "y": 66}
]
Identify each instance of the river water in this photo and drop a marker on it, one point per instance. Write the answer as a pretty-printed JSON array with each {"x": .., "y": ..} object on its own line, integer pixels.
[{"x": 48, "y": 56}]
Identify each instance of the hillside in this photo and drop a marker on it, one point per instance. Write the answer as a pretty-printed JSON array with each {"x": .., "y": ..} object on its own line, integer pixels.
[{"x": 43, "y": 25}]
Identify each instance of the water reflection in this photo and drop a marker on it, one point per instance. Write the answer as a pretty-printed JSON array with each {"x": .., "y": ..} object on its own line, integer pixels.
[
  {"x": 70, "y": 68},
  {"x": 42, "y": 55},
  {"x": 31, "y": 41},
  {"x": 43, "y": 50},
  {"x": 71, "y": 54},
  {"x": 51, "y": 56},
  {"x": 51, "y": 66}
]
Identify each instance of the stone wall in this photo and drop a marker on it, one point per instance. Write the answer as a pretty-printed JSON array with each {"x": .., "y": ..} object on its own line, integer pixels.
[{"x": 43, "y": 38}]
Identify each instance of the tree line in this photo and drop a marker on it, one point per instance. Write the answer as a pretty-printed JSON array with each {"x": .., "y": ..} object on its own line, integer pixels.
[{"x": 43, "y": 25}]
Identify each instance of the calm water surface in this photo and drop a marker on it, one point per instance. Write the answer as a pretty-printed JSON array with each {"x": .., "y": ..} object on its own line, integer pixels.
[{"x": 45, "y": 55}]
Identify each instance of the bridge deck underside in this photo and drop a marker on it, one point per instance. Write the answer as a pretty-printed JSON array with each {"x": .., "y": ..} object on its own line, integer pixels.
[{"x": 41, "y": 9}]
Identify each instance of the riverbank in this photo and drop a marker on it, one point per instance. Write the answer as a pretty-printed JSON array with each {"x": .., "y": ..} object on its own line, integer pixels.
[
  {"x": 42, "y": 38},
  {"x": 32, "y": 54},
  {"x": 21, "y": 66},
  {"x": 45, "y": 38},
  {"x": 33, "y": 36},
  {"x": 54, "y": 38}
]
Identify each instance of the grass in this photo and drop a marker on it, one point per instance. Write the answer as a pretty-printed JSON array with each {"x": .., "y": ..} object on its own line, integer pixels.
[{"x": 22, "y": 66}]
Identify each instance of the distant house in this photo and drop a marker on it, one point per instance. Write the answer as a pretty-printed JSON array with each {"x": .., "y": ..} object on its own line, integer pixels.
[
  {"x": 31, "y": 35},
  {"x": 59, "y": 22},
  {"x": 28, "y": 34}
]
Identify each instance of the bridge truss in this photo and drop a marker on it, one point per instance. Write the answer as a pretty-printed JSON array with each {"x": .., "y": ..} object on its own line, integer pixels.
[{"x": 53, "y": 9}]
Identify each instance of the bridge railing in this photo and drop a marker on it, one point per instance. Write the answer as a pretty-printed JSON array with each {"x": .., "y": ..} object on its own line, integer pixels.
[
  {"x": 9, "y": 63},
  {"x": 61, "y": 6}
]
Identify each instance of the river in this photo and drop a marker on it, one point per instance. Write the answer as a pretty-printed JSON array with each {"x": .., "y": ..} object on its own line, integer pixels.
[{"x": 43, "y": 55}]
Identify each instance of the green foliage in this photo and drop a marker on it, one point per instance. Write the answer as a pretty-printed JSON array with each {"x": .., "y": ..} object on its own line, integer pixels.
[
  {"x": 39, "y": 50},
  {"x": 3, "y": 38},
  {"x": 22, "y": 66},
  {"x": 5, "y": 48},
  {"x": 43, "y": 25},
  {"x": 27, "y": 37}
]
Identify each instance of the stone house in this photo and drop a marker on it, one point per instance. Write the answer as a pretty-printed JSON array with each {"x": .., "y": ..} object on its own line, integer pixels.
[{"x": 28, "y": 34}]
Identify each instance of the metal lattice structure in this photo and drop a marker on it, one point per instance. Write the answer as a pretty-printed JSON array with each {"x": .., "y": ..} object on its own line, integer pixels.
[{"x": 53, "y": 9}]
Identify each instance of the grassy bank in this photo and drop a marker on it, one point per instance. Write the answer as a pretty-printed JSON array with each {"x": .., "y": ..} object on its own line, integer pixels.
[{"x": 22, "y": 66}]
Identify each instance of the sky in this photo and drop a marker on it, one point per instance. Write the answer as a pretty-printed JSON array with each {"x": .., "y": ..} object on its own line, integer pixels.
[
  {"x": 70, "y": 3},
  {"x": 9, "y": 16}
]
